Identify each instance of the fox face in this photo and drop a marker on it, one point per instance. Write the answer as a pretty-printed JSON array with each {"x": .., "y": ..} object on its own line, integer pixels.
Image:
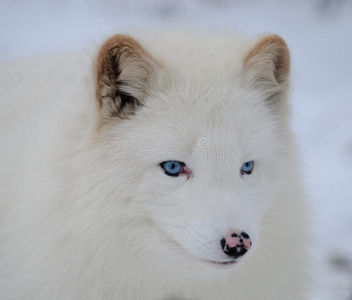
[{"x": 201, "y": 148}]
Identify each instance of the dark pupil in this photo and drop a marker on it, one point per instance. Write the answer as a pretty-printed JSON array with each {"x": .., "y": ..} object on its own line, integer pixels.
[{"x": 173, "y": 166}]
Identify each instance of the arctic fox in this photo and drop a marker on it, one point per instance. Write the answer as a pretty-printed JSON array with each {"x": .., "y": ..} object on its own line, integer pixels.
[{"x": 156, "y": 167}]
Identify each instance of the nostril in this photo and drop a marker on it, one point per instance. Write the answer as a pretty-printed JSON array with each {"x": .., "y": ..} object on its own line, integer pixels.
[
  {"x": 245, "y": 235},
  {"x": 236, "y": 244}
]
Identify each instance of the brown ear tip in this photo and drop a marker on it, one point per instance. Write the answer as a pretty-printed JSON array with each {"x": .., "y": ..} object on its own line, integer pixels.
[
  {"x": 276, "y": 39},
  {"x": 117, "y": 39},
  {"x": 271, "y": 42},
  {"x": 110, "y": 50},
  {"x": 280, "y": 43},
  {"x": 270, "y": 48}
]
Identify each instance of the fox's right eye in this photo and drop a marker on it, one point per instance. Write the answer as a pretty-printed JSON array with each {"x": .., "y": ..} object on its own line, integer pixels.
[
  {"x": 247, "y": 168},
  {"x": 173, "y": 167}
]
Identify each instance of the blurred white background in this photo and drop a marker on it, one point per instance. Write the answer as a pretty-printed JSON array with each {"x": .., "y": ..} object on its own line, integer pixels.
[{"x": 319, "y": 34}]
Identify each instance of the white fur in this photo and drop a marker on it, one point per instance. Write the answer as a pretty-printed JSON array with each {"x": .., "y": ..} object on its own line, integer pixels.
[{"x": 82, "y": 219}]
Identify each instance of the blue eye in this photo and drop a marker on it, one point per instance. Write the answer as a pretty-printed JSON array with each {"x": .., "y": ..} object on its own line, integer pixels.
[
  {"x": 172, "y": 167},
  {"x": 247, "y": 167}
]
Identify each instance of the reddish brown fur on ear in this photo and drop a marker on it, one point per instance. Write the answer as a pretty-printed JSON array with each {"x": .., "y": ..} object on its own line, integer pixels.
[
  {"x": 123, "y": 72},
  {"x": 270, "y": 59}
]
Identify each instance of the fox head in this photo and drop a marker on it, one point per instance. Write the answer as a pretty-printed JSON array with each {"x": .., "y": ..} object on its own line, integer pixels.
[{"x": 193, "y": 145}]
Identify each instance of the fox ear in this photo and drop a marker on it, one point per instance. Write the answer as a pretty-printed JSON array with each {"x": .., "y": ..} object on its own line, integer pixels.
[
  {"x": 123, "y": 74},
  {"x": 268, "y": 65}
]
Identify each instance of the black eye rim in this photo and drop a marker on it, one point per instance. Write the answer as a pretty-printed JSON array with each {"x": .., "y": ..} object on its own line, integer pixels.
[
  {"x": 247, "y": 172},
  {"x": 175, "y": 161}
]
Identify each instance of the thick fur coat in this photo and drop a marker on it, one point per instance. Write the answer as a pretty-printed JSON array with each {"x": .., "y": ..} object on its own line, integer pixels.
[{"x": 87, "y": 210}]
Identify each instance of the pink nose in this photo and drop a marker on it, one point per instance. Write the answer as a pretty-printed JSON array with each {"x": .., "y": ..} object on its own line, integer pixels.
[{"x": 236, "y": 244}]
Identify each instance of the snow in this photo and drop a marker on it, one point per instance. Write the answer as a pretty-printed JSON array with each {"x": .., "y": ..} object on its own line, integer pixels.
[{"x": 319, "y": 34}]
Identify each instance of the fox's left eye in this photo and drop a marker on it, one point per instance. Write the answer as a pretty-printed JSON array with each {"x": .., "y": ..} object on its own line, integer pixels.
[
  {"x": 247, "y": 168},
  {"x": 172, "y": 167}
]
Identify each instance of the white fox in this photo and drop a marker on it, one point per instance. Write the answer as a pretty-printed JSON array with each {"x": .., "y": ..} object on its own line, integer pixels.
[{"x": 162, "y": 167}]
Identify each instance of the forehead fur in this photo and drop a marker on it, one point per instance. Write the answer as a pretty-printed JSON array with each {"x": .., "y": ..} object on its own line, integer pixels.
[
  {"x": 201, "y": 92},
  {"x": 189, "y": 109}
]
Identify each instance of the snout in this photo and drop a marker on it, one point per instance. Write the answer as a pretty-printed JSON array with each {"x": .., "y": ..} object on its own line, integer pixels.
[{"x": 236, "y": 244}]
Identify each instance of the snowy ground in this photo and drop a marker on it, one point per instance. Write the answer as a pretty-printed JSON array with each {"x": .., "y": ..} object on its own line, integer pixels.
[{"x": 319, "y": 34}]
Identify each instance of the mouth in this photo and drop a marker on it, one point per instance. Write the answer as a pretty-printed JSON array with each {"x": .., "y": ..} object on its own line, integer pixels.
[{"x": 224, "y": 262}]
